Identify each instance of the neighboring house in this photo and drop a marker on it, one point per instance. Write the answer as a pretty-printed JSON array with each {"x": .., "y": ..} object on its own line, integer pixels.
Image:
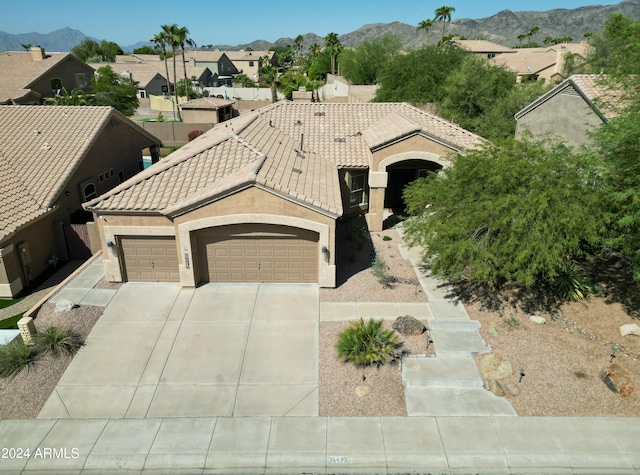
[
  {"x": 147, "y": 79},
  {"x": 29, "y": 77},
  {"x": 221, "y": 67},
  {"x": 534, "y": 64},
  {"x": 483, "y": 48},
  {"x": 256, "y": 198},
  {"x": 52, "y": 159},
  {"x": 207, "y": 109},
  {"x": 570, "y": 110},
  {"x": 250, "y": 62}
]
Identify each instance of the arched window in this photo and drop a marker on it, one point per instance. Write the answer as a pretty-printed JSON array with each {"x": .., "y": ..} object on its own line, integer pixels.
[{"x": 89, "y": 191}]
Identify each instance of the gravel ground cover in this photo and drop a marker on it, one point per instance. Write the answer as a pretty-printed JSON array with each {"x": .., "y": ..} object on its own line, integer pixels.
[{"x": 24, "y": 395}]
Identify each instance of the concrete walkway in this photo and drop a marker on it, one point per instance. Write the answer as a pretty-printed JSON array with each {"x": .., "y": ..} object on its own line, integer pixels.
[
  {"x": 449, "y": 384},
  {"x": 319, "y": 445}
]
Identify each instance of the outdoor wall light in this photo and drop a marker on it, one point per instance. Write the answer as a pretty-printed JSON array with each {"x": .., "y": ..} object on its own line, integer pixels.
[
  {"x": 521, "y": 375},
  {"x": 110, "y": 244}
]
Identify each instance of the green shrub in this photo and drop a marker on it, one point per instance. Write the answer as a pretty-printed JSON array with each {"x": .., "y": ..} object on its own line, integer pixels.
[
  {"x": 380, "y": 269},
  {"x": 14, "y": 357},
  {"x": 57, "y": 340},
  {"x": 387, "y": 238},
  {"x": 366, "y": 344},
  {"x": 569, "y": 283}
]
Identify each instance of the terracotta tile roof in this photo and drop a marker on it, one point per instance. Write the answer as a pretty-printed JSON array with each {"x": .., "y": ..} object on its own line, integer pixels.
[
  {"x": 591, "y": 87},
  {"x": 482, "y": 46},
  {"x": 40, "y": 149},
  {"x": 536, "y": 60},
  {"x": 292, "y": 149},
  {"x": 24, "y": 71},
  {"x": 248, "y": 55},
  {"x": 141, "y": 73},
  {"x": 207, "y": 103}
]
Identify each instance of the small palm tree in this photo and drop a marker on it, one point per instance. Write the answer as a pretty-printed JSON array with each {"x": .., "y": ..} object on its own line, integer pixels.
[
  {"x": 269, "y": 75},
  {"x": 366, "y": 344},
  {"x": 425, "y": 25},
  {"x": 443, "y": 14}
]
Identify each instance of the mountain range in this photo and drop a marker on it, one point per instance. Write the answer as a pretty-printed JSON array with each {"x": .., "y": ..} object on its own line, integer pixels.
[{"x": 502, "y": 28}]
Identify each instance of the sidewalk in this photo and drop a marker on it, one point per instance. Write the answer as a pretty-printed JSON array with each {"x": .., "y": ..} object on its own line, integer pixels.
[{"x": 266, "y": 445}]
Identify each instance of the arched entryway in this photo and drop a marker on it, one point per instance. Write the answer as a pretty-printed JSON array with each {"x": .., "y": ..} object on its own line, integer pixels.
[{"x": 400, "y": 175}]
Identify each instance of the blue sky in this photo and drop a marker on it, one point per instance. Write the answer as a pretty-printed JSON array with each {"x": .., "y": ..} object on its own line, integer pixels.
[{"x": 235, "y": 22}]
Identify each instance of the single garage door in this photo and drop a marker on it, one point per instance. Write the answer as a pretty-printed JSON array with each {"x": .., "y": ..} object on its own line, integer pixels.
[
  {"x": 258, "y": 253},
  {"x": 150, "y": 259}
]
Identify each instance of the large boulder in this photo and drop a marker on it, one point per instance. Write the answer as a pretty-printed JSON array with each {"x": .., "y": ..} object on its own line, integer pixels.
[
  {"x": 630, "y": 329},
  {"x": 617, "y": 380},
  {"x": 494, "y": 366},
  {"x": 409, "y": 326}
]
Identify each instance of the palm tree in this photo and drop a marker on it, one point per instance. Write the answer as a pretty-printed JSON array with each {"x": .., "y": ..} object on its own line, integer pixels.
[
  {"x": 531, "y": 32},
  {"x": 588, "y": 36},
  {"x": 443, "y": 14},
  {"x": 332, "y": 42},
  {"x": 520, "y": 38},
  {"x": 160, "y": 41},
  {"x": 314, "y": 49},
  {"x": 182, "y": 34},
  {"x": 425, "y": 25},
  {"x": 171, "y": 35},
  {"x": 297, "y": 46},
  {"x": 269, "y": 75}
]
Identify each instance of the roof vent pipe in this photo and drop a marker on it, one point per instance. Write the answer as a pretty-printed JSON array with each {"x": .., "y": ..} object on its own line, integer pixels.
[{"x": 301, "y": 142}]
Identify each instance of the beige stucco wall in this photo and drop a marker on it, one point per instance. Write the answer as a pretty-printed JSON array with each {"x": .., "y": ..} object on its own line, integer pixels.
[
  {"x": 416, "y": 147},
  {"x": 251, "y": 205},
  {"x": 565, "y": 116}
]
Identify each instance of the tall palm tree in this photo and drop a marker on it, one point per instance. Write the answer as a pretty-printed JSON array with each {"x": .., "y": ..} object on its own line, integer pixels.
[
  {"x": 531, "y": 32},
  {"x": 443, "y": 14},
  {"x": 160, "y": 41},
  {"x": 182, "y": 34},
  {"x": 332, "y": 42},
  {"x": 425, "y": 25},
  {"x": 297, "y": 46},
  {"x": 173, "y": 40},
  {"x": 314, "y": 49}
]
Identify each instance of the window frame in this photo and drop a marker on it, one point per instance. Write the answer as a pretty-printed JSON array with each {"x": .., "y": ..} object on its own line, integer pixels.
[{"x": 357, "y": 190}]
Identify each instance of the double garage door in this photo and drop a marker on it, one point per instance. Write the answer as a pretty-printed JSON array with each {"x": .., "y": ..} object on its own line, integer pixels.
[
  {"x": 252, "y": 253},
  {"x": 238, "y": 253}
]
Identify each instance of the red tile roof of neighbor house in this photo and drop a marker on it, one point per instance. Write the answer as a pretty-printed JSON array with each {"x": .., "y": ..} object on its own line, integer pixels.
[
  {"x": 40, "y": 149},
  {"x": 292, "y": 149},
  {"x": 601, "y": 95}
]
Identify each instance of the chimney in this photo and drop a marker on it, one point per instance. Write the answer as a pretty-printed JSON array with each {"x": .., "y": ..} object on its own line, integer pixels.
[{"x": 37, "y": 53}]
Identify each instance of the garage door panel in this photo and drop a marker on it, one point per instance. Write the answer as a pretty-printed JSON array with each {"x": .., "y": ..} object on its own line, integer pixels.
[
  {"x": 258, "y": 254},
  {"x": 150, "y": 259}
]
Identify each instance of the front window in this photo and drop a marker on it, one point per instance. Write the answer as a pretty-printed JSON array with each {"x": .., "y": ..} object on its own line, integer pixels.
[
  {"x": 356, "y": 185},
  {"x": 81, "y": 80}
]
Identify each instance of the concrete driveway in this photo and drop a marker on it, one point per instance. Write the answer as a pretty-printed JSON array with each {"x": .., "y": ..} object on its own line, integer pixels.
[{"x": 219, "y": 350}]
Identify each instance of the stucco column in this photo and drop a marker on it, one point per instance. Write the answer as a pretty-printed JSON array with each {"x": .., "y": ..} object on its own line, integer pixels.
[{"x": 377, "y": 189}]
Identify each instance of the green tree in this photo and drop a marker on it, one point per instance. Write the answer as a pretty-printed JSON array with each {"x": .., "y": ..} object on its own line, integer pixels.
[
  {"x": 363, "y": 64},
  {"x": 509, "y": 212},
  {"x": 77, "y": 97},
  {"x": 417, "y": 77},
  {"x": 243, "y": 80},
  {"x": 182, "y": 90},
  {"x": 616, "y": 49},
  {"x": 425, "y": 25},
  {"x": 443, "y": 14},
  {"x": 320, "y": 65},
  {"x": 160, "y": 41},
  {"x": 93, "y": 52},
  {"x": 113, "y": 90},
  {"x": 532, "y": 32},
  {"x": 171, "y": 35},
  {"x": 146, "y": 49},
  {"x": 291, "y": 81},
  {"x": 332, "y": 43},
  {"x": 269, "y": 76},
  {"x": 182, "y": 37}
]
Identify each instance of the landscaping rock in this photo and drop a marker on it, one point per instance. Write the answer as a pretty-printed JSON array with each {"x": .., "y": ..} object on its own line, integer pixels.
[
  {"x": 537, "y": 319},
  {"x": 494, "y": 366},
  {"x": 630, "y": 329},
  {"x": 409, "y": 326},
  {"x": 65, "y": 305},
  {"x": 511, "y": 388},
  {"x": 496, "y": 388},
  {"x": 617, "y": 380}
]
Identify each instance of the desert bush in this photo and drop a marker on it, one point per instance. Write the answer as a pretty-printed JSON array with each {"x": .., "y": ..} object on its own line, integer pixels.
[
  {"x": 57, "y": 340},
  {"x": 14, "y": 357},
  {"x": 366, "y": 344},
  {"x": 379, "y": 269},
  {"x": 569, "y": 283}
]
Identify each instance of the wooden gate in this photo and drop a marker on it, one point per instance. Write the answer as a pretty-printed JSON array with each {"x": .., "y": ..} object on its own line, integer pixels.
[{"x": 77, "y": 238}]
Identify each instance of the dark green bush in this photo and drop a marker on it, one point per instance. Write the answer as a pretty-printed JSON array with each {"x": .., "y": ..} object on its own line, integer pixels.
[
  {"x": 14, "y": 357},
  {"x": 57, "y": 340},
  {"x": 366, "y": 344}
]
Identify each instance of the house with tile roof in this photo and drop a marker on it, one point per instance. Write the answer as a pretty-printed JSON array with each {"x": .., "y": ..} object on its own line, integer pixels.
[
  {"x": 208, "y": 110},
  {"x": 483, "y": 48},
  {"x": 571, "y": 110},
  {"x": 250, "y": 62},
  {"x": 52, "y": 159},
  {"x": 536, "y": 64},
  {"x": 222, "y": 68},
  {"x": 29, "y": 77},
  {"x": 256, "y": 198},
  {"x": 147, "y": 79}
]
